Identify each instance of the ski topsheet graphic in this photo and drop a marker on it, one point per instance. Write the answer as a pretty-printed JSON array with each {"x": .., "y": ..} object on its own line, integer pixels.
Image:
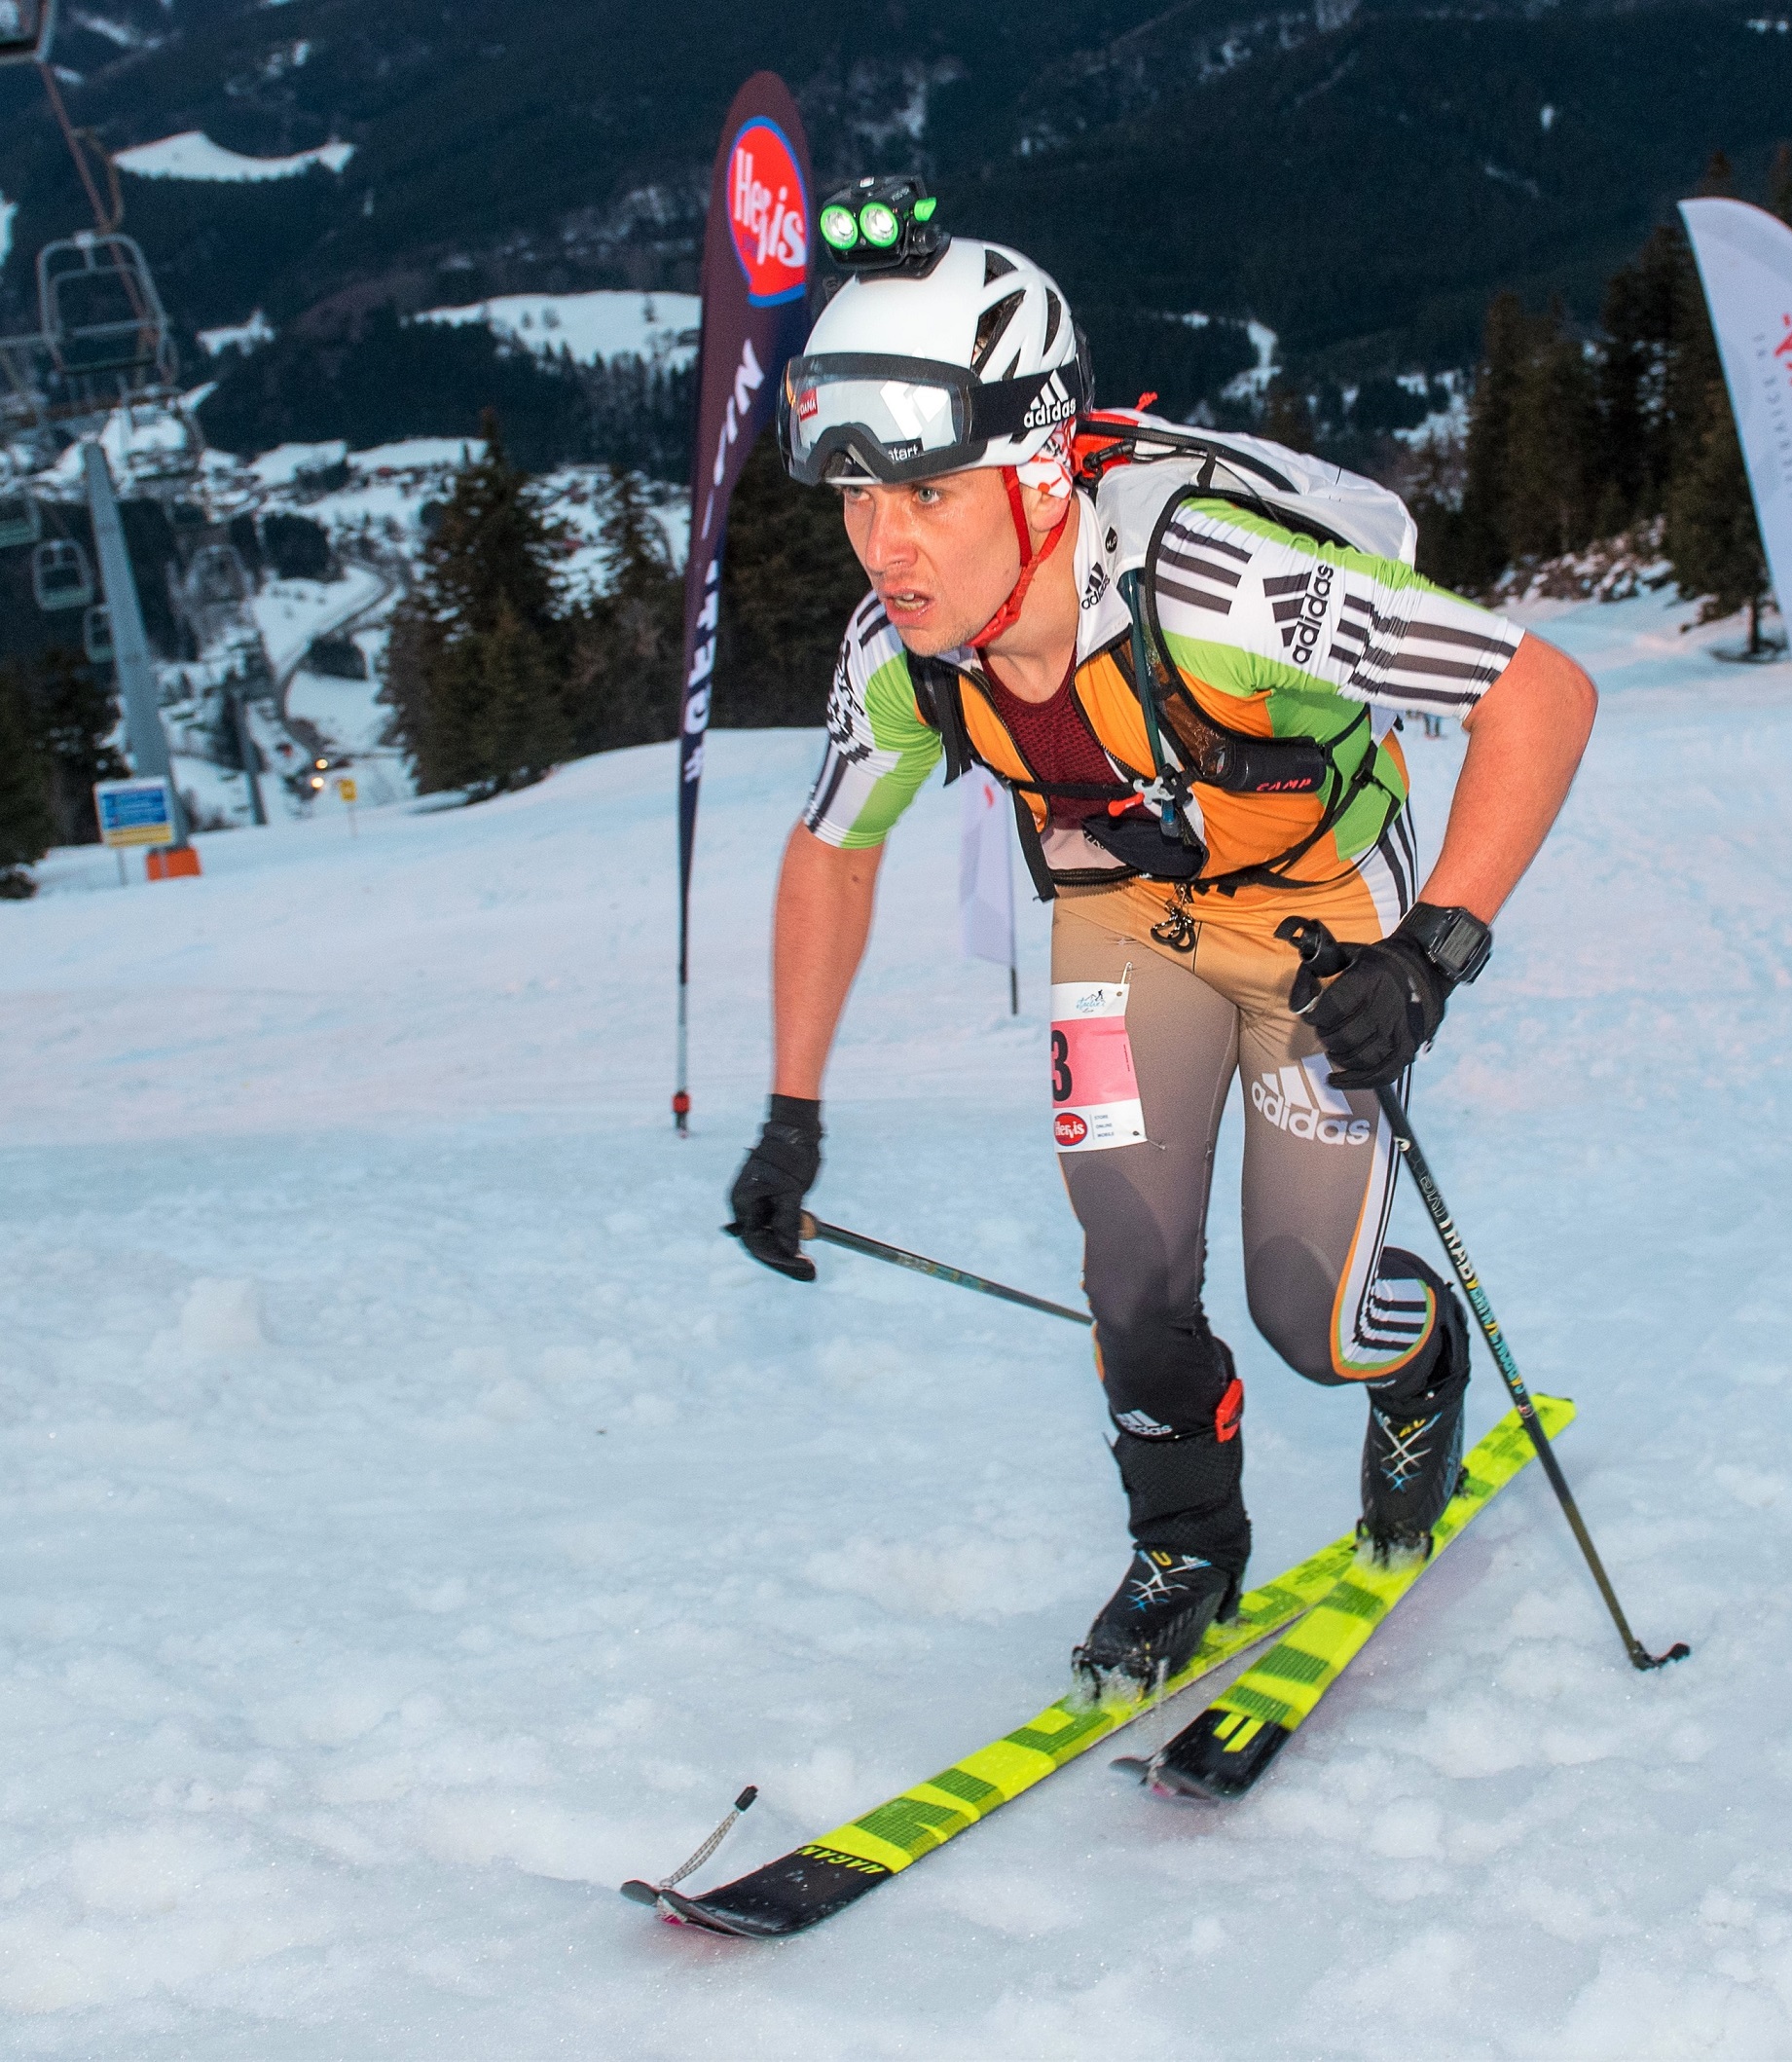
[
  {"x": 824, "y": 1876},
  {"x": 1234, "y": 1740}
]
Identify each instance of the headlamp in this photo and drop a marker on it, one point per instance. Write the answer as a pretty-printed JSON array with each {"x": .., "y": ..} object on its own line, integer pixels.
[{"x": 883, "y": 225}]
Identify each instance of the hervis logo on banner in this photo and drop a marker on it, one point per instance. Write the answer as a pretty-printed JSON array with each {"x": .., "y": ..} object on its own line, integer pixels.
[{"x": 768, "y": 212}]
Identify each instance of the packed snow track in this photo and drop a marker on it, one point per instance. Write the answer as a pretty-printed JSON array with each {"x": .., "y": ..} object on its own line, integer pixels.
[{"x": 419, "y": 1518}]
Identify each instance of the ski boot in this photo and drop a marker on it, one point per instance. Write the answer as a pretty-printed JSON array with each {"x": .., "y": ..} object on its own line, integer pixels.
[
  {"x": 1149, "y": 1628},
  {"x": 1413, "y": 1451}
]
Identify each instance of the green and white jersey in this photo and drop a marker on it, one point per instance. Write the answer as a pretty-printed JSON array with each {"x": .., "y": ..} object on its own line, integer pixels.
[
  {"x": 879, "y": 748},
  {"x": 1278, "y": 636}
]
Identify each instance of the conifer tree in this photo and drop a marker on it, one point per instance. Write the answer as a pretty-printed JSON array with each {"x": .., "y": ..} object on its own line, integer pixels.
[
  {"x": 25, "y": 828},
  {"x": 1551, "y": 436},
  {"x": 1712, "y": 537},
  {"x": 74, "y": 719},
  {"x": 1482, "y": 547},
  {"x": 1780, "y": 183},
  {"x": 623, "y": 683},
  {"x": 476, "y": 667},
  {"x": 1646, "y": 304},
  {"x": 1287, "y": 416},
  {"x": 790, "y": 584}
]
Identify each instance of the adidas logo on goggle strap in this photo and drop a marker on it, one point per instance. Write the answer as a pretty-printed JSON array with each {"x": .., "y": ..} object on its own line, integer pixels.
[{"x": 1051, "y": 404}]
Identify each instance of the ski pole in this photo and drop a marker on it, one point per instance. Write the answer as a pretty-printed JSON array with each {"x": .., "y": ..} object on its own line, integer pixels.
[
  {"x": 1420, "y": 1169},
  {"x": 1322, "y": 957},
  {"x": 896, "y": 1256}
]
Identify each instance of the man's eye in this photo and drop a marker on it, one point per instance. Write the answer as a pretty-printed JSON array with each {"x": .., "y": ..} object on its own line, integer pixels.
[{"x": 926, "y": 496}]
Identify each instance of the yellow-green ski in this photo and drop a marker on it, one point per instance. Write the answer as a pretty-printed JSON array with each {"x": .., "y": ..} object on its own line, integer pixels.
[
  {"x": 820, "y": 1878},
  {"x": 1228, "y": 1747}
]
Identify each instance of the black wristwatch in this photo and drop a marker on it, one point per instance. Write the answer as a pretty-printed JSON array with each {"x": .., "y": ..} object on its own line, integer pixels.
[{"x": 1455, "y": 942}]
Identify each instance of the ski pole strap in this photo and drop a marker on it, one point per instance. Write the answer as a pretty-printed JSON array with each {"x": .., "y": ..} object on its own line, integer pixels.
[{"x": 899, "y": 1257}]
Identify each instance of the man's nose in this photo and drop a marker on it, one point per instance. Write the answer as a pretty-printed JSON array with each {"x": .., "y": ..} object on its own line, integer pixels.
[{"x": 891, "y": 544}]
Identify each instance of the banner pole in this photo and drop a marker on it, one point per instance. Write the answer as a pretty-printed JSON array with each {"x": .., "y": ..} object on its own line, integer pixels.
[
  {"x": 681, "y": 1094},
  {"x": 756, "y": 286}
]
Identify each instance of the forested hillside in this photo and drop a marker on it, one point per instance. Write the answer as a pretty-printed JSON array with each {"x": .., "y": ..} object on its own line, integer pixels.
[{"x": 1362, "y": 178}]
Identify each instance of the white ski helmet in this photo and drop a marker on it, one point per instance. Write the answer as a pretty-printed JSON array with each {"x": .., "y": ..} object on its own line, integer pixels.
[{"x": 911, "y": 373}]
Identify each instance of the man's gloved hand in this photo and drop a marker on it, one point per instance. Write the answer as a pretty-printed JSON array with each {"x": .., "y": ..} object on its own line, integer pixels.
[
  {"x": 1378, "y": 1014},
  {"x": 769, "y": 1189}
]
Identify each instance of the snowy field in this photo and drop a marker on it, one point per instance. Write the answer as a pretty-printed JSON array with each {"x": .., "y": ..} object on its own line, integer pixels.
[
  {"x": 590, "y": 327},
  {"x": 192, "y": 155},
  {"x": 419, "y": 1518}
]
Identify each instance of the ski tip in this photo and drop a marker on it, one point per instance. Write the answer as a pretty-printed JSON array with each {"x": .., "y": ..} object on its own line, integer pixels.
[
  {"x": 639, "y": 1893},
  {"x": 1133, "y": 1765}
]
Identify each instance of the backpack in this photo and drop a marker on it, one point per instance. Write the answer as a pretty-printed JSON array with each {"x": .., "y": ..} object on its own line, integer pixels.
[{"x": 1303, "y": 493}]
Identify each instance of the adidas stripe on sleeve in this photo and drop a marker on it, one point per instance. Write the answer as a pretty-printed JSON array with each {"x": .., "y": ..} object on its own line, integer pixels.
[
  {"x": 879, "y": 749},
  {"x": 1247, "y": 608}
]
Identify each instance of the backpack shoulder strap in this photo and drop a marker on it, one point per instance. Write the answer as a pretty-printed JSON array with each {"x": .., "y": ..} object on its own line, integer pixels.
[{"x": 939, "y": 697}]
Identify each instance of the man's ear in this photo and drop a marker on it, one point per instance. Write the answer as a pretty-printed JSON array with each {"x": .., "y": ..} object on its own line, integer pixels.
[{"x": 1044, "y": 510}]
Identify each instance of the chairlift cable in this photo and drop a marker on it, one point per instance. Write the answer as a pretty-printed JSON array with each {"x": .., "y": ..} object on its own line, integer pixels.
[{"x": 71, "y": 137}]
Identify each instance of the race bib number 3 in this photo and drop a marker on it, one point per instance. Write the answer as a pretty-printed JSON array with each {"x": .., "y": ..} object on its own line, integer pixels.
[{"x": 1094, "y": 1090}]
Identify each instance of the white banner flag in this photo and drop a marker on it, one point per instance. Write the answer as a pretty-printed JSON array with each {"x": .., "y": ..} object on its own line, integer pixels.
[
  {"x": 1744, "y": 259},
  {"x": 985, "y": 879}
]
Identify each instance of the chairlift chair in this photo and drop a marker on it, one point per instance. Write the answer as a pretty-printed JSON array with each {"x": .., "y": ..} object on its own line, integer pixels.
[
  {"x": 60, "y": 577},
  {"x": 21, "y": 520},
  {"x": 97, "y": 635},
  {"x": 100, "y": 314},
  {"x": 27, "y": 28}
]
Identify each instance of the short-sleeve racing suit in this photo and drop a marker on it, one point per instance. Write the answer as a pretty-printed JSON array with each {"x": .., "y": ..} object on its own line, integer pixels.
[{"x": 1302, "y": 637}]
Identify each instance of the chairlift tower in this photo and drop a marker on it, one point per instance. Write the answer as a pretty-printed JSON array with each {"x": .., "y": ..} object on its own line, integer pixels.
[{"x": 101, "y": 368}]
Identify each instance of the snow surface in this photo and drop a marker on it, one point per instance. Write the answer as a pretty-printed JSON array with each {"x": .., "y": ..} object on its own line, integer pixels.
[
  {"x": 192, "y": 155},
  {"x": 418, "y": 1518},
  {"x": 238, "y": 336},
  {"x": 589, "y": 326},
  {"x": 287, "y": 462},
  {"x": 293, "y": 613}
]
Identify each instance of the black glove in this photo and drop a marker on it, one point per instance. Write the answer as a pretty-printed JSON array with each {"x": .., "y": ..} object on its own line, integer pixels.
[
  {"x": 1378, "y": 1014},
  {"x": 769, "y": 1189}
]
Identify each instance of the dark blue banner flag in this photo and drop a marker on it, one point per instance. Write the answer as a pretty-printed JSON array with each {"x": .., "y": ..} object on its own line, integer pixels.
[{"x": 755, "y": 286}]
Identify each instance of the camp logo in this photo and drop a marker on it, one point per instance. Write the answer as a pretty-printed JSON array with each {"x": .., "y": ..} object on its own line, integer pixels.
[{"x": 768, "y": 212}]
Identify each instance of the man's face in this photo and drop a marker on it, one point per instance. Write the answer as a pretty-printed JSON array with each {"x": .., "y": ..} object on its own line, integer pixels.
[{"x": 942, "y": 554}]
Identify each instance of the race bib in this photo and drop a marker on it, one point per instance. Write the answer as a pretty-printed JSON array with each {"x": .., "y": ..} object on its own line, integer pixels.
[{"x": 1094, "y": 1091}]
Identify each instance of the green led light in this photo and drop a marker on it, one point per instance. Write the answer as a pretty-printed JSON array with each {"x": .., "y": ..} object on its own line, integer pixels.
[
  {"x": 839, "y": 232},
  {"x": 879, "y": 225},
  {"x": 924, "y": 209}
]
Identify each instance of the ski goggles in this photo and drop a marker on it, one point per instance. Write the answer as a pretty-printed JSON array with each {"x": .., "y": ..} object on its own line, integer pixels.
[{"x": 852, "y": 415}]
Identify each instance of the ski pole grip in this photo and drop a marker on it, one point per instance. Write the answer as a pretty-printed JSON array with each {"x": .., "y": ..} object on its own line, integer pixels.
[{"x": 1320, "y": 957}]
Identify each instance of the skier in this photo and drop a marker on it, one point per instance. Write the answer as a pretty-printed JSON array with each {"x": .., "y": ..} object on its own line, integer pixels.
[{"x": 1021, "y": 573}]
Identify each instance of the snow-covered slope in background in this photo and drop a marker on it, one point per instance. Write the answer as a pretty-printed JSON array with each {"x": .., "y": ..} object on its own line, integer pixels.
[
  {"x": 590, "y": 326},
  {"x": 192, "y": 155},
  {"x": 418, "y": 1518}
]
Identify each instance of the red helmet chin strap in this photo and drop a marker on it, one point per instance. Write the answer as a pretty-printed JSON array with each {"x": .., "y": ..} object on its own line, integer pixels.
[{"x": 1008, "y": 615}]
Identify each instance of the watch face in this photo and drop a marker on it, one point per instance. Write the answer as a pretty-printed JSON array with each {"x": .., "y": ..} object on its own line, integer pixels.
[{"x": 1462, "y": 944}]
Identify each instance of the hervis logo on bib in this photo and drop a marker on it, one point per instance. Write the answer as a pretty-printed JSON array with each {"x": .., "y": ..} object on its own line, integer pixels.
[{"x": 768, "y": 213}]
